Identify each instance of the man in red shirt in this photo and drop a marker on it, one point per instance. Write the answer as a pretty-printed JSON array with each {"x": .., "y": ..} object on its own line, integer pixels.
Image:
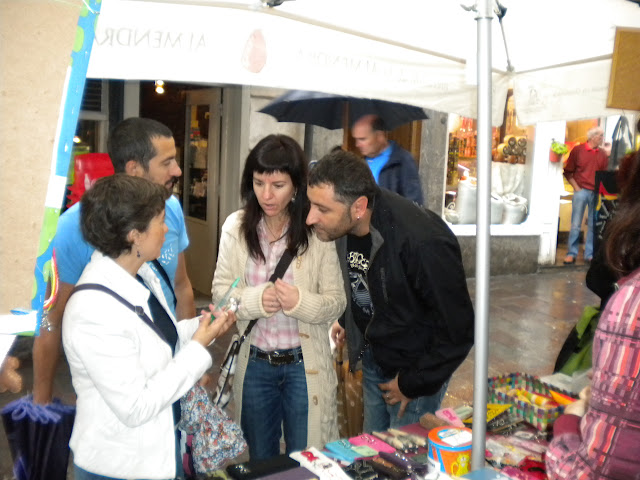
[{"x": 580, "y": 171}]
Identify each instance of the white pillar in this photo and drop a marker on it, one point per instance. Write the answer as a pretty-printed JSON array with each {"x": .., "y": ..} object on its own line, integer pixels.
[{"x": 546, "y": 189}]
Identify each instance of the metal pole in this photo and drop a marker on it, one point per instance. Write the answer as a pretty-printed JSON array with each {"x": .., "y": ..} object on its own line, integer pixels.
[{"x": 485, "y": 13}]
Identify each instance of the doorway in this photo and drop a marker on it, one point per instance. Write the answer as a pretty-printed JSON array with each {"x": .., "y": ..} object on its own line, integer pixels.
[
  {"x": 200, "y": 192},
  {"x": 199, "y": 116}
]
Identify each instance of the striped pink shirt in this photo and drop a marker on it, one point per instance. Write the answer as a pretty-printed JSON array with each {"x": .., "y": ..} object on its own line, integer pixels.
[
  {"x": 278, "y": 332},
  {"x": 607, "y": 443}
]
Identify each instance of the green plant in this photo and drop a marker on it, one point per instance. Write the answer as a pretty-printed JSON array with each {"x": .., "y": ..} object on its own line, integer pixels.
[{"x": 559, "y": 148}]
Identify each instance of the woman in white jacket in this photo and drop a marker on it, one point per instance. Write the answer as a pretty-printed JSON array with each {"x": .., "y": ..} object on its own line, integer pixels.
[
  {"x": 284, "y": 381},
  {"x": 129, "y": 375}
]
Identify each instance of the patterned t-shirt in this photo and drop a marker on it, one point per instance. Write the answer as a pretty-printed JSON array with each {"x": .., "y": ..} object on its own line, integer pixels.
[{"x": 358, "y": 253}]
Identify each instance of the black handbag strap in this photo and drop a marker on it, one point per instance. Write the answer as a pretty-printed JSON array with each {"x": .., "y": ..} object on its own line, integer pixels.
[
  {"x": 281, "y": 268},
  {"x": 139, "y": 311},
  {"x": 165, "y": 277}
]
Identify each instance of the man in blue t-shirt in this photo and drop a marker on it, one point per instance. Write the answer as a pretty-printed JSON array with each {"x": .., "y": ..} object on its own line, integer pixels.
[
  {"x": 392, "y": 166},
  {"x": 140, "y": 147}
]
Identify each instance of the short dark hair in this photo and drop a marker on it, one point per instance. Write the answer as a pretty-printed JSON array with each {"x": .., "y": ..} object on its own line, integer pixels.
[
  {"x": 276, "y": 153},
  {"x": 131, "y": 140},
  {"x": 349, "y": 176},
  {"x": 376, "y": 122},
  {"x": 116, "y": 205}
]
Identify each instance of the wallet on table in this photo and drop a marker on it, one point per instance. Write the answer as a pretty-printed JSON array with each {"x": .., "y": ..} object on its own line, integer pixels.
[{"x": 253, "y": 470}]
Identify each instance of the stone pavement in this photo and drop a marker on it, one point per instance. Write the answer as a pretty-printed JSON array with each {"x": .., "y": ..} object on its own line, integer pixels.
[{"x": 530, "y": 316}]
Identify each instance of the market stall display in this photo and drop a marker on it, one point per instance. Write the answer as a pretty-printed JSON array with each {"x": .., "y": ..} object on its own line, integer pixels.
[
  {"x": 519, "y": 417},
  {"x": 509, "y": 174},
  {"x": 531, "y": 398}
]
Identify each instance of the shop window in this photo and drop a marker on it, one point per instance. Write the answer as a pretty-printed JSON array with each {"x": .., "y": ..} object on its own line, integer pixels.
[
  {"x": 197, "y": 160},
  {"x": 511, "y": 150}
]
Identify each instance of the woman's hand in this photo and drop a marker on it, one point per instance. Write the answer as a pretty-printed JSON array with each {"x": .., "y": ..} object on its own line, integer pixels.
[
  {"x": 579, "y": 407},
  {"x": 288, "y": 295},
  {"x": 208, "y": 331},
  {"x": 585, "y": 394},
  {"x": 270, "y": 301},
  {"x": 337, "y": 334}
]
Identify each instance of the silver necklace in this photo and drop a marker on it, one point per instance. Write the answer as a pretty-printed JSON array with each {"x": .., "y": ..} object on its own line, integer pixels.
[{"x": 276, "y": 237}]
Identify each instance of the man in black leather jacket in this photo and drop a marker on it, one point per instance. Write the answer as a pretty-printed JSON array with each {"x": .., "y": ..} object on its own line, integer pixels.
[{"x": 410, "y": 318}]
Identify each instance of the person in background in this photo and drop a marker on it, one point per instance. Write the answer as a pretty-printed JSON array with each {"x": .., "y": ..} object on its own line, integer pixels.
[
  {"x": 598, "y": 436},
  {"x": 128, "y": 376},
  {"x": 285, "y": 380},
  {"x": 580, "y": 171},
  {"x": 140, "y": 147},
  {"x": 392, "y": 166},
  {"x": 410, "y": 318}
]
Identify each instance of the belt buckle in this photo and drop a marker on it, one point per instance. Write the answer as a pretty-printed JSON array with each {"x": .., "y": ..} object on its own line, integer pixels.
[{"x": 278, "y": 360}]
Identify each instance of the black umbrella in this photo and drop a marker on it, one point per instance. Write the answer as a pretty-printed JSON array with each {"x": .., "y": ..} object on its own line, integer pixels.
[
  {"x": 38, "y": 437},
  {"x": 327, "y": 110}
]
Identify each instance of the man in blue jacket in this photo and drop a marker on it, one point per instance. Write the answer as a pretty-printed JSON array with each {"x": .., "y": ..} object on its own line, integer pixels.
[
  {"x": 392, "y": 166},
  {"x": 410, "y": 319}
]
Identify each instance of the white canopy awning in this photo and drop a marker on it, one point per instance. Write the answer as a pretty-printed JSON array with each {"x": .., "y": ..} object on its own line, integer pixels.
[{"x": 410, "y": 51}]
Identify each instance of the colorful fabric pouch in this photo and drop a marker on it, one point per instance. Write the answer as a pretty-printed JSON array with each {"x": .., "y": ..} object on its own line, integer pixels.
[{"x": 216, "y": 438}]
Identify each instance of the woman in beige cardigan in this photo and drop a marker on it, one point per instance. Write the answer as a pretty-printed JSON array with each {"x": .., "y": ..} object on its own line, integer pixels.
[{"x": 285, "y": 382}]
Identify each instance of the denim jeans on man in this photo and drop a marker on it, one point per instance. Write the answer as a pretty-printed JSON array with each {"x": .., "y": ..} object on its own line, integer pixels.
[
  {"x": 582, "y": 199},
  {"x": 378, "y": 416},
  {"x": 274, "y": 396}
]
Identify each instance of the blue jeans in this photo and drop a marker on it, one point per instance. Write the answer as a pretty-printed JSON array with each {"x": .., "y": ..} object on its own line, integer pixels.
[
  {"x": 81, "y": 474},
  {"x": 274, "y": 399},
  {"x": 378, "y": 416},
  {"x": 581, "y": 200}
]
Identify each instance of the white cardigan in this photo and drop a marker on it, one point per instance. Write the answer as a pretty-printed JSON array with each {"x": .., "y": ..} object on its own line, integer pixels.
[
  {"x": 124, "y": 375},
  {"x": 322, "y": 300}
]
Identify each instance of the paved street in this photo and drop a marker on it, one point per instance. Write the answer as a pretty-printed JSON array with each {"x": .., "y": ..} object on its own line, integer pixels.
[{"x": 530, "y": 316}]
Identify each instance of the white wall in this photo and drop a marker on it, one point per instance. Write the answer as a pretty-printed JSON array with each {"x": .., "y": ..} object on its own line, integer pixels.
[
  {"x": 547, "y": 186},
  {"x": 262, "y": 124}
]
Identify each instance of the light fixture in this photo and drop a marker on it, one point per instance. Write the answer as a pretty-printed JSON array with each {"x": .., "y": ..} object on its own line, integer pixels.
[
  {"x": 160, "y": 87},
  {"x": 76, "y": 139}
]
